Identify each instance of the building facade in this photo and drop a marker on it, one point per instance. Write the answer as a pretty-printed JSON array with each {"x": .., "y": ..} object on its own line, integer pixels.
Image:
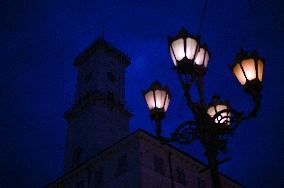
[
  {"x": 140, "y": 160},
  {"x": 99, "y": 150}
]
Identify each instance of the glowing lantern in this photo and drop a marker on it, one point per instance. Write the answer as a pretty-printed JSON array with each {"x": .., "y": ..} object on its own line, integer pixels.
[
  {"x": 219, "y": 111},
  {"x": 248, "y": 68},
  {"x": 183, "y": 49},
  {"x": 157, "y": 99}
]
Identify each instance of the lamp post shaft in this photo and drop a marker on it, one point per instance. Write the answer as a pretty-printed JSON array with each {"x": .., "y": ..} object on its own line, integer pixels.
[
  {"x": 211, "y": 154},
  {"x": 158, "y": 126},
  {"x": 201, "y": 90}
]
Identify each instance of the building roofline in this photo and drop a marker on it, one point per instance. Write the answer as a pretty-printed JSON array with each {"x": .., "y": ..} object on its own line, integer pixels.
[
  {"x": 101, "y": 43},
  {"x": 137, "y": 131},
  {"x": 96, "y": 155},
  {"x": 189, "y": 156}
]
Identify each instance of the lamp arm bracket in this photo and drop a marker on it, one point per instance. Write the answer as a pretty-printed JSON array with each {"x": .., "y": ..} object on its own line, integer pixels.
[
  {"x": 253, "y": 112},
  {"x": 185, "y": 133},
  {"x": 200, "y": 87}
]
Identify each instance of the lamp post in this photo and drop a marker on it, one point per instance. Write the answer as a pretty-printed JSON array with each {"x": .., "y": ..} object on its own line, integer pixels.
[
  {"x": 158, "y": 99},
  {"x": 214, "y": 121}
]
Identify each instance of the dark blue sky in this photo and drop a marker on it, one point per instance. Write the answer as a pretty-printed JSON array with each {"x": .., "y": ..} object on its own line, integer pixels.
[{"x": 40, "y": 39}]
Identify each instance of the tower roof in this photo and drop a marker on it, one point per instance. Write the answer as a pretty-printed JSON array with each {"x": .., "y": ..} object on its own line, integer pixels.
[{"x": 99, "y": 44}]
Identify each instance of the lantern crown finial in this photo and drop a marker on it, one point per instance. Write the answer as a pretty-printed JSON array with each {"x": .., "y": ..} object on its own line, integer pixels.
[
  {"x": 156, "y": 85},
  {"x": 243, "y": 55},
  {"x": 183, "y": 33}
]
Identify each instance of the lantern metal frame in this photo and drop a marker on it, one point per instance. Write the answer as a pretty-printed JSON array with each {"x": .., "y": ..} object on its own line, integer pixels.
[{"x": 213, "y": 135}]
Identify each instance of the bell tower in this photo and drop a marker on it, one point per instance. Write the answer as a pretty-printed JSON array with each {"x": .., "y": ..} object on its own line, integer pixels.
[{"x": 98, "y": 116}]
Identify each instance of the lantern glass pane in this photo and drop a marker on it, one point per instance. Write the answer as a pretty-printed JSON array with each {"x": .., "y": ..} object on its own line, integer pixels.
[
  {"x": 249, "y": 68},
  {"x": 223, "y": 120},
  {"x": 260, "y": 69},
  {"x": 224, "y": 116},
  {"x": 200, "y": 57},
  {"x": 167, "y": 103},
  {"x": 178, "y": 49},
  {"x": 173, "y": 57},
  {"x": 220, "y": 108},
  {"x": 206, "y": 59},
  {"x": 211, "y": 111},
  {"x": 191, "y": 45},
  {"x": 149, "y": 97},
  {"x": 239, "y": 74},
  {"x": 160, "y": 98}
]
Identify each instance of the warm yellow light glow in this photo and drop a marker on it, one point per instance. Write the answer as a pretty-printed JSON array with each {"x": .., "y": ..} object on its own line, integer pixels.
[
  {"x": 211, "y": 111},
  {"x": 167, "y": 103},
  {"x": 160, "y": 98},
  {"x": 239, "y": 74},
  {"x": 200, "y": 57},
  {"x": 221, "y": 107},
  {"x": 178, "y": 49},
  {"x": 206, "y": 59},
  {"x": 173, "y": 57},
  {"x": 260, "y": 70},
  {"x": 223, "y": 117},
  {"x": 157, "y": 98},
  {"x": 150, "y": 99},
  {"x": 191, "y": 45},
  {"x": 249, "y": 68}
]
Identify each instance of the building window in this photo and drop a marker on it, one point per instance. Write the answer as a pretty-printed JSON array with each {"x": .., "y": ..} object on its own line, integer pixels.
[
  {"x": 80, "y": 184},
  {"x": 121, "y": 165},
  {"x": 181, "y": 176},
  {"x": 200, "y": 183},
  {"x": 98, "y": 178},
  {"x": 159, "y": 165},
  {"x": 77, "y": 156}
]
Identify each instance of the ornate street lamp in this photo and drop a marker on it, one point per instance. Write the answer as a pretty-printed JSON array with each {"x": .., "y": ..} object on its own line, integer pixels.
[
  {"x": 213, "y": 122},
  {"x": 219, "y": 112},
  {"x": 183, "y": 49},
  {"x": 248, "y": 69},
  {"x": 157, "y": 99}
]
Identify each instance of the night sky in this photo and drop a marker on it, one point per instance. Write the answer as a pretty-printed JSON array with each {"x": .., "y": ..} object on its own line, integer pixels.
[{"x": 40, "y": 39}]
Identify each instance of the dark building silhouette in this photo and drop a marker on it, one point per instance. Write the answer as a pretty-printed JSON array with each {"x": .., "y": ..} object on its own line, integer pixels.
[{"x": 99, "y": 150}]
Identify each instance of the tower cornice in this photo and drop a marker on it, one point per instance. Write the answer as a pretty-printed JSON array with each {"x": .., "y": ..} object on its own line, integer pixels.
[{"x": 93, "y": 98}]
